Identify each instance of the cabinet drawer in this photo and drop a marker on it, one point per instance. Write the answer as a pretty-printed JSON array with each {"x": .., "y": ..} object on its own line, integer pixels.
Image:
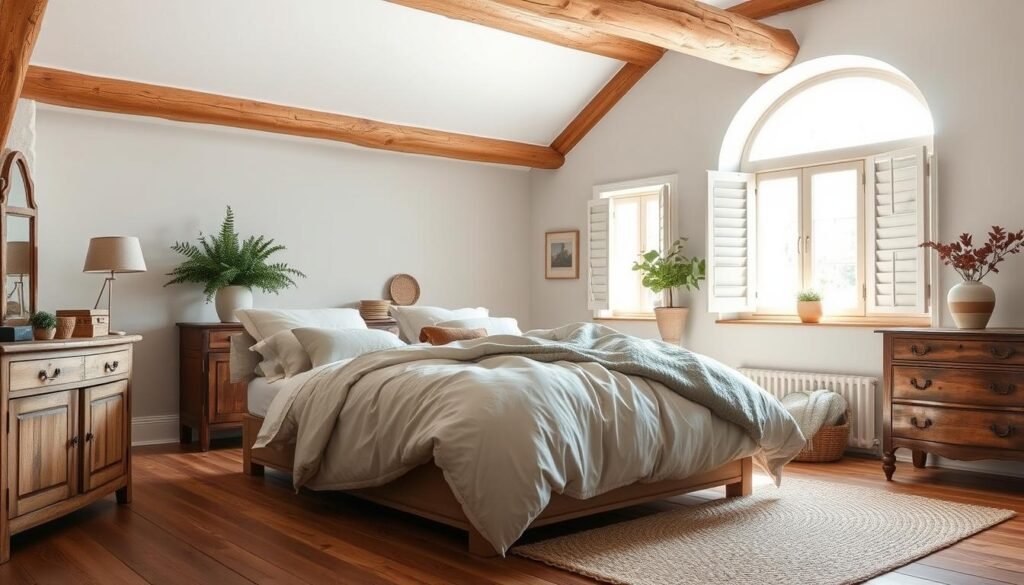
[
  {"x": 977, "y": 428},
  {"x": 39, "y": 373},
  {"x": 221, "y": 339},
  {"x": 973, "y": 387},
  {"x": 102, "y": 365},
  {"x": 963, "y": 351}
]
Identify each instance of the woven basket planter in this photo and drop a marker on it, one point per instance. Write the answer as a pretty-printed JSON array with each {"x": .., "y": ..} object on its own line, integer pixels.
[{"x": 829, "y": 444}]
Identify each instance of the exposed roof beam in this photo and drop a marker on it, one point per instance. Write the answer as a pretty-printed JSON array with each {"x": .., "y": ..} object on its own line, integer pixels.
[
  {"x": 765, "y": 8},
  {"x": 19, "y": 28},
  {"x": 528, "y": 24},
  {"x": 76, "y": 90}
]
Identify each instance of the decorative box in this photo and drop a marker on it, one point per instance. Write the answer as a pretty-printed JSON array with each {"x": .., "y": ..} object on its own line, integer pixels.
[
  {"x": 16, "y": 333},
  {"x": 88, "y": 322}
]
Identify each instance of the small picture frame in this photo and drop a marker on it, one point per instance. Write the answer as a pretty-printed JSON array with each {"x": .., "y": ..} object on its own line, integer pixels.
[{"x": 562, "y": 254}]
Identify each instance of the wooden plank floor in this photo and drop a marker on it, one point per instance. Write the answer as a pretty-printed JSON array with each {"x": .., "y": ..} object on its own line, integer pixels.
[{"x": 197, "y": 519}]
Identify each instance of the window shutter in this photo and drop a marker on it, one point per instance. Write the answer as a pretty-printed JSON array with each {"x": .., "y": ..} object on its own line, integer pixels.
[
  {"x": 665, "y": 216},
  {"x": 598, "y": 215},
  {"x": 732, "y": 281},
  {"x": 896, "y": 213}
]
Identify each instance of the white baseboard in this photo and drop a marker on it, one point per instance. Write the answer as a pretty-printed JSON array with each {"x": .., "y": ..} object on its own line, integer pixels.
[{"x": 155, "y": 430}]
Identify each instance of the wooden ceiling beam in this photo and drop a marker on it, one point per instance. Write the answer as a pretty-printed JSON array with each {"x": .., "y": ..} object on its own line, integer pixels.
[
  {"x": 77, "y": 90},
  {"x": 759, "y": 9},
  {"x": 526, "y": 23},
  {"x": 20, "y": 21}
]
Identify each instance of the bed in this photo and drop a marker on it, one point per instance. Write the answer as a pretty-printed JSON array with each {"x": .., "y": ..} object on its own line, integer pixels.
[{"x": 427, "y": 490}]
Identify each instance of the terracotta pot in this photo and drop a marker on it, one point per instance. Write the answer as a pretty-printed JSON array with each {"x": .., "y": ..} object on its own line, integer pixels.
[
  {"x": 231, "y": 298},
  {"x": 671, "y": 321},
  {"x": 65, "y": 327},
  {"x": 971, "y": 304},
  {"x": 44, "y": 334},
  {"x": 809, "y": 311}
]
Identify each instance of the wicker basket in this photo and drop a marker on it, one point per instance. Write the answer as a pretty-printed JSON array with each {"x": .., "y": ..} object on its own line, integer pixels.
[{"x": 829, "y": 444}]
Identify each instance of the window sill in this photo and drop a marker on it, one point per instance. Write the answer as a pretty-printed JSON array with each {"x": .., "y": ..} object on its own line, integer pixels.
[{"x": 873, "y": 322}]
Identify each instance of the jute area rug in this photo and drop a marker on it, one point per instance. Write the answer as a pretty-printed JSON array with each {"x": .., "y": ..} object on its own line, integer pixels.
[{"x": 807, "y": 532}]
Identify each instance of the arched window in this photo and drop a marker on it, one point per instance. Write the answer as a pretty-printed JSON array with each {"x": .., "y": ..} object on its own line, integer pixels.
[{"x": 832, "y": 195}]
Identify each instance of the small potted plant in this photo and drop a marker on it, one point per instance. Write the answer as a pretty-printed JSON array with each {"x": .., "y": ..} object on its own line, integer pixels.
[
  {"x": 664, "y": 272},
  {"x": 971, "y": 302},
  {"x": 229, "y": 268},
  {"x": 808, "y": 306},
  {"x": 44, "y": 325}
]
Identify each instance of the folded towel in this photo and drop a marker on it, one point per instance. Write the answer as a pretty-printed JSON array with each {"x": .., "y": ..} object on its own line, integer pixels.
[{"x": 813, "y": 410}]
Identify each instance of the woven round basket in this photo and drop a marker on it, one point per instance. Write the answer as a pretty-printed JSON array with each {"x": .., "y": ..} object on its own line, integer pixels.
[
  {"x": 829, "y": 444},
  {"x": 404, "y": 290}
]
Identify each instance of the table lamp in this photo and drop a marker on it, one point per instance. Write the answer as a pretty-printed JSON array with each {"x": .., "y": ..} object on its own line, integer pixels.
[
  {"x": 19, "y": 265},
  {"x": 116, "y": 255}
]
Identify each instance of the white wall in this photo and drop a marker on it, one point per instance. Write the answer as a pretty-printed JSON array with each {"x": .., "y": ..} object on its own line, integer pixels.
[
  {"x": 351, "y": 218},
  {"x": 23, "y": 131},
  {"x": 967, "y": 63}
]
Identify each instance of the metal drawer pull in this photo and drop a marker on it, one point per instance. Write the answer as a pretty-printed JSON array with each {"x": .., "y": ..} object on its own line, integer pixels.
[
  {"x": 920, "y": 352},
  {"x": 1001, "y": 433},
  {"x": 89, "y": 437},
  {"x": 74, "y": 441},
  {"x": 110, "y": 367},
  {"x": 1010, "y": 388},
  {"x": 927, "y": 423},
  {"x": 44, "y": 377},
  {"x": 927, "y": 384},
  {"x": 1002, "y": 355}
]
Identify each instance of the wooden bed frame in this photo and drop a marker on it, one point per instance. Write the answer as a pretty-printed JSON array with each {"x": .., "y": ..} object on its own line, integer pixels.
[{"x": 424, "y": 492}]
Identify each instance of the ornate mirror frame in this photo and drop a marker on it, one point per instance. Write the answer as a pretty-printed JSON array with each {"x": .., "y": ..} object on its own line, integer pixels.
[{"x": 15, "y": 161}]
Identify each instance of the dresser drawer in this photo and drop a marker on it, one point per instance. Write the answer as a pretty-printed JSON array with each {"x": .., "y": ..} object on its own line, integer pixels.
[
  {"x": 976, "y": 387},
  {"x": 976, "y": 428},
  {"x": 221, "y": 339},
  {"x": 101, "y": 365},
  {"x": 953, "y": 350},
  {"x": 31, "y": 374}
]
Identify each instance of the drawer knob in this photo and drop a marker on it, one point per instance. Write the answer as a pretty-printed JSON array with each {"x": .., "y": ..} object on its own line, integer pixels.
[
  {"x": 74, "y": 441},
  {"x": 1002, "y": 354},
  {"x": 46, "y": 377},
  {"x": 110, "y": 367},
  {"x": 920, "y": 352},
  {"x": 1008, "y": 389},
  {"x": 89, "y": 437},
  {"x": 926, "y": 385},
  {"x": 1003, "y": 434},
  {"x": 927, "y": 423}
]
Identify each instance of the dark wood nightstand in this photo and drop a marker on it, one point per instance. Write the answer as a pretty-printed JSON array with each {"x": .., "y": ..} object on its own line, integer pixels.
[{"x": 208, "y": 401}]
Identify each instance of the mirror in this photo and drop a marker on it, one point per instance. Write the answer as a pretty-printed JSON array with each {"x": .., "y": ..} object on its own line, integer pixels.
[{"x": 18, "y": 258}]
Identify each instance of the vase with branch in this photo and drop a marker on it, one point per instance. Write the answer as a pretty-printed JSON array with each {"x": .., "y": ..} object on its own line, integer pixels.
[
  {"x": 971, "y": 302},
  {"x": 664, "y": 272}
]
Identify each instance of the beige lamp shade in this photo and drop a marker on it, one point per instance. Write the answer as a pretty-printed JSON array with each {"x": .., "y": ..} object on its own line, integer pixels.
[
  {"x": 114, "y": 254},
  {"x": 19, "y": 258}
]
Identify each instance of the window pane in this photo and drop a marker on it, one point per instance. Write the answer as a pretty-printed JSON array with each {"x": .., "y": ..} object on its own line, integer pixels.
[
  {"x": 624, "y": 292},
  {"x": 778, "y": 263},
  {"x": 834, "y": 239}
]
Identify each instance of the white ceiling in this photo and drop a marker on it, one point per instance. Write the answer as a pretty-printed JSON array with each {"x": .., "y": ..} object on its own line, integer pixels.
[{"x": 365, "y": 58}]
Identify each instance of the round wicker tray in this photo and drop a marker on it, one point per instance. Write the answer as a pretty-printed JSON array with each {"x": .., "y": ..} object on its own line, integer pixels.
[{"x": 404, "y": 290}]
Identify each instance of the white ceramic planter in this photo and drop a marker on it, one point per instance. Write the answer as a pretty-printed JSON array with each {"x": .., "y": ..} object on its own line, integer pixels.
[
  {"x": 809, "y": 311},
  {"x": 971, "y": 304},
  {"x": 231, "y": 298},
  {"x": 671, "y": 321}
]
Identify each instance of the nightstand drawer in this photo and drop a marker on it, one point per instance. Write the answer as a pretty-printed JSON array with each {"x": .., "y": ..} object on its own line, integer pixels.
[
  {"x": 31, "y": 374},
  {"x": 958, "y": 350},
  {"x": 977, "y": 428},
  {"x": 101, "y": 365},
  {"x": 976, "y": 387},
  {"x": 221, "y": 339}
]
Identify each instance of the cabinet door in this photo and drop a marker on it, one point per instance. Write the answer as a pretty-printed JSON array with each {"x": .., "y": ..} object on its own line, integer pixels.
[
  {"x": 43, "y": 451},
  {"x": 227, "y": 400},
  {"x": 105, "y": 427}
]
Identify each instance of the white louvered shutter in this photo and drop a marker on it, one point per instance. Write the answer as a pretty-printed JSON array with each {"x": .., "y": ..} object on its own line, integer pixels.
[
  {"x": 896, "y": 267},
  {"x": 598, "y": 216},
  {"x": 732, "y": 279},
  {"x": 665, "y": 216}
]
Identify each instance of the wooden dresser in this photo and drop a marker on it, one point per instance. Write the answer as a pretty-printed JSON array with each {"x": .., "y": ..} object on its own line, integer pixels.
[
  {"x": 954, "y": 393},
  {"x": 66, "y": 411},
  {"x": 208, "y": 401}
]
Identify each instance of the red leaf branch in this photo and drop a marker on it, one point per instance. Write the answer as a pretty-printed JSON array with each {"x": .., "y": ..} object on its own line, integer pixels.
[{"x": 974, "y": 264}]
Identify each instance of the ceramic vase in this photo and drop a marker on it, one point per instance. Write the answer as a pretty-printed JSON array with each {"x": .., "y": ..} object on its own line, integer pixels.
[
  {"x": 809, "y": 311},
  {"x": 971, "y": 304},
  {"x": 671, "y": 321},
  {"x": 231, "y": 298},
  {"x": 44, "y": 334}
]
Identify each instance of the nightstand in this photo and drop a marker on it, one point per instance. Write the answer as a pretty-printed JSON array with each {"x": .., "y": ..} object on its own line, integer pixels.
[{"x": 208, "y": 401}]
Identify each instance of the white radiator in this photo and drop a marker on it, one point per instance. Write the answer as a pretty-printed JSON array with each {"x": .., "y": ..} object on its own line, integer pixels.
[{"x": 859, "y": 392}]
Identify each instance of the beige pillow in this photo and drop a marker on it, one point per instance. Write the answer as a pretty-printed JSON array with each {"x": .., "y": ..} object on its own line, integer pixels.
[
  {"x": 262, "y": 323},
  {"x": 412, "y": 319},
  {"x": 493, "y": 325},
  {"x": 325, "y": 346},
  {"x": 283, "y": 356},
  {"x": 242, "y": 361}
]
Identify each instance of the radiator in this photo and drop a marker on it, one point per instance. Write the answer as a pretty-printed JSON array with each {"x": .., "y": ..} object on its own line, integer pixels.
[{"x": 859, "y": 392}]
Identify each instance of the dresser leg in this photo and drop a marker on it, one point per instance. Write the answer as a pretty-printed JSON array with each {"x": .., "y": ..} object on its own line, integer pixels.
[
  {"x": 889, "y": 464},
  {"x": 124, "y": 495},
  {"x": 204, "y": 437},
  {"x": 186, "y": 435},
  {"x": 920, "y": 459}
]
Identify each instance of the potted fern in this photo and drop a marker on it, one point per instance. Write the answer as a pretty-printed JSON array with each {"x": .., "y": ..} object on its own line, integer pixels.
[
  {"x": 665, "y": 272},
  {"x": 229, "y": 268}
]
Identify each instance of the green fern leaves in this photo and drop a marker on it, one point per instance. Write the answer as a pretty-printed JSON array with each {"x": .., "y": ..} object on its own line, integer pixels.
[{"x": 219, "y": 261}]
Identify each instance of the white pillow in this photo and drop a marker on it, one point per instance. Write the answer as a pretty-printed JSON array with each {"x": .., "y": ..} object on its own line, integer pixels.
[
  {"x": 262, "y": 323},
  {"x": 412, "y": 319},
  {"x": 493, "y": 325},
  {"x": 283, "y": 356},
  {"x": 325, "y": 346}
]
